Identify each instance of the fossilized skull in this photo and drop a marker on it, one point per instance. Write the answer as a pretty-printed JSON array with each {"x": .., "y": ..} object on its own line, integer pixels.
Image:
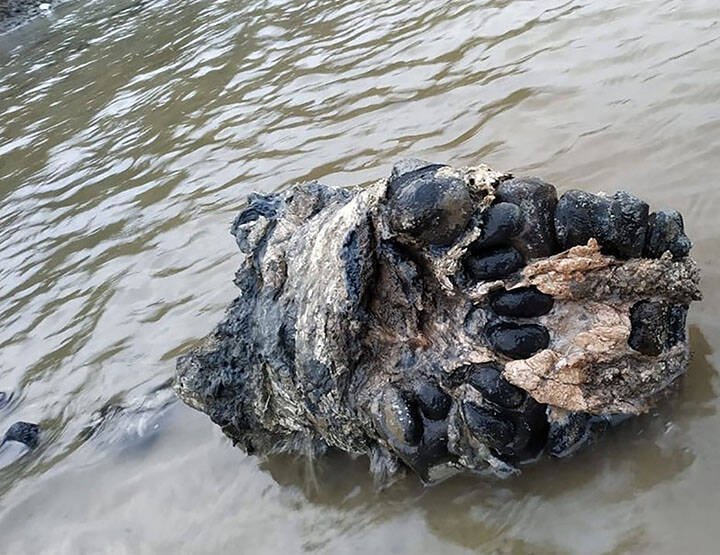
[{"x": 443, "y": 319}]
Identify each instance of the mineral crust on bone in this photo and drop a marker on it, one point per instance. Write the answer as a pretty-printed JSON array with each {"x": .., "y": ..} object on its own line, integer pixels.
[{"x": 443, "y": 320}]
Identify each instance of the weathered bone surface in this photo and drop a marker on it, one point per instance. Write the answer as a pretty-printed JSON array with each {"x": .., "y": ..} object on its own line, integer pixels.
[{"x": 444, "y": 320}]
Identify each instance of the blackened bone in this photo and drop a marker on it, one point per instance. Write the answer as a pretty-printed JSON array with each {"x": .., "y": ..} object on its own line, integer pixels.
[{"x": 521, "y": 302}]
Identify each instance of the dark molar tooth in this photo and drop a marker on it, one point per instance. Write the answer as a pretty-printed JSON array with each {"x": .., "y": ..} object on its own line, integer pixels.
[
  {"x": 677, "y": 315},
  {"x": 494, "y": 263},
  {"x": 518, "y": 341},
  {"x": 434, "y": 402},
  {"x": 491, "y": 430},
  {"x": 537, "y": 200},
  {"x": 521, "y": 302},
  {"x": 619, "y": 222},
  {"x": 502, "y": 222},
  {"x": 629, "y": 218},
  {"x": 487, "y": 379},
  {"x": 649, "y": 327},
  {"x": 666, "y": 232},
  {"x": 398, "y": 417},
  {"x": 433, "y": 208},
  {"x": 578, "y": 216}
]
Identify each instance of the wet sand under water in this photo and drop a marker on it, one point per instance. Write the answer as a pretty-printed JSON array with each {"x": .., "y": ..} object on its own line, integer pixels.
[{"x": 130, "y": 133}]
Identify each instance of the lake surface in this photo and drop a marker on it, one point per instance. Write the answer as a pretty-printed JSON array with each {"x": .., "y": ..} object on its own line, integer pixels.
[{"x": 130, "y": 133}]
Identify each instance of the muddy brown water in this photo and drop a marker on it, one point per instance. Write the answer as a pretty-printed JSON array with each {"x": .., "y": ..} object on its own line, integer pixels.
[{"x": 130, "y": 133}]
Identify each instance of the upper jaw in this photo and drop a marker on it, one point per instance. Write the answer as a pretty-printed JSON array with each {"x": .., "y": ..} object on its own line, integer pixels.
[{"x": 448, "y": 318}]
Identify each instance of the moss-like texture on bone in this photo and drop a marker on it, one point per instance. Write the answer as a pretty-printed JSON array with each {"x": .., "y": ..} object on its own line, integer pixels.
[{"x": 444, "y": 320}]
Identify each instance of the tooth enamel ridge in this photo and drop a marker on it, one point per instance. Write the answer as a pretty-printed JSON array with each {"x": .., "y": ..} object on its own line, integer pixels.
[
  {"x": 619, "y": 222},
  {"x": 444, "y": 320}
]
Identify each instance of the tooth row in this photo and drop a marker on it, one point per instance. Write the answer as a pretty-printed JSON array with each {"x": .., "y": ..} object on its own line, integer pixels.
[
  {"x": 414, "y": 419},
  {"x": 414, "y": 424},
  {"x": 432, "y": 204},
  {"x": 540, "y": 226},
  {"x": 526, "y": 221}
]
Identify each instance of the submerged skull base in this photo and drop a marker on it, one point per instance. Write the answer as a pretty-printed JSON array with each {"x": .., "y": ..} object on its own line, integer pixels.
[{"x": 443, "y": 320}]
